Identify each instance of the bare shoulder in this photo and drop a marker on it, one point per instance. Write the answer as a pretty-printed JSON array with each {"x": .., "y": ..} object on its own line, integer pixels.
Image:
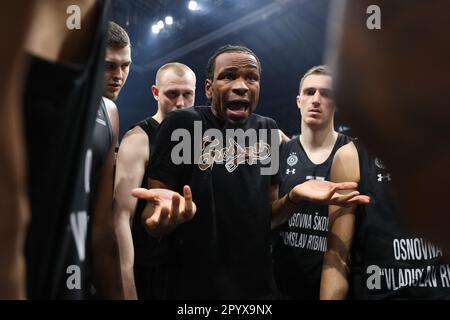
[
  {"x": 347, "y": 152},
  {"x": 110, "y": 105},
  {"x": 113, "y": 113},
  {"x": 345, "y": 165},
  {"x": 135, "y": 138},
  {"x": 134, "y": 146},
  {"x": 283, "y": 138}
]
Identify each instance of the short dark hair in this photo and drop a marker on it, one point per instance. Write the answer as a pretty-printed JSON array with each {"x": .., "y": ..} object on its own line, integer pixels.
[
  {"x": 117, "y": 36},
  {"x": 228, "y": 48}
]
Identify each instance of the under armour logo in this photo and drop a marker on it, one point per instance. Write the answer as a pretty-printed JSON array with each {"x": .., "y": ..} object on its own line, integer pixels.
[
  {"x": 387, "y": 177},
  {"x": 290, "y": 171}
]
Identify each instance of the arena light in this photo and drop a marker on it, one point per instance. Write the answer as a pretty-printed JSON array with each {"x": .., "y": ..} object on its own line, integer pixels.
[
  {"x": 168, "y": 20},
  {"x": 192, "y": 5},
  {"x": 155, "y": 29},
  {"x": 160, "y": 24}
]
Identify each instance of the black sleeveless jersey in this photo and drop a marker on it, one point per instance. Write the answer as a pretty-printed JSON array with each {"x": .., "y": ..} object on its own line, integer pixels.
[
  {"x": 149, "y": 253},
  {"x": 60, "y": 107},
  {"x": 387, "y": 261},
  {"x": 102, "y": 138},
  {"x": 300, "y": 243}
]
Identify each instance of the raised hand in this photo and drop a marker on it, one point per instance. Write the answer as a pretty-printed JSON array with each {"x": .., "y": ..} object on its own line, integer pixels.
[{"x": 165, "y": 209}]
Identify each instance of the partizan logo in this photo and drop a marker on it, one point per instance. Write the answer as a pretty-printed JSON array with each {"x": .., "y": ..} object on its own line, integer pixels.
[
  {"x": 380, "y": 164},
  {"x": 292, "y": 160}
]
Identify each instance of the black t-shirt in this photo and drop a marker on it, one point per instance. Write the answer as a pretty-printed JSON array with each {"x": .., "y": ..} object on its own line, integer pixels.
[
  {"x": 300, "y": 243},
  {"x": 387, "y": 261},
  {"x": 224, "y": 251},
  {"x": 60, "y": 103},
  {"x": 149, "y": 253}
]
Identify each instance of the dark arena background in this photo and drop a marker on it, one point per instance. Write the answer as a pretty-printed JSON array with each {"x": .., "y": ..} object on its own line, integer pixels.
[{"x": 289, "y": 37}]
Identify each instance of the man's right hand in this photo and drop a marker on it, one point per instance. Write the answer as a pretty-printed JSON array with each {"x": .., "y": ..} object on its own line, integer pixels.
[{"x": 165, "y": 209}]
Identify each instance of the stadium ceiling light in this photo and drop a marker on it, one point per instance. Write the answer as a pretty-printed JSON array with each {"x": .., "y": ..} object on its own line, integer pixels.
[
  {"x": 168, "y": 20},
  {"x": 192, "y": 5},
  {"x": 155, "y": 29}
]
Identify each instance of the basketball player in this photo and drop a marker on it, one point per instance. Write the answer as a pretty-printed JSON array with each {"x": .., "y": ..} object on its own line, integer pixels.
[
  {"x": 62, "y": 96},
  {"x": 301, "y": 240},
  {"x": 174, "y": 89}
]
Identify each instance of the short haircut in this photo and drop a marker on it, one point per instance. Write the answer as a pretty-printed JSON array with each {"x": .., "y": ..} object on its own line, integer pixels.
[
  {"x": 228, "y": 48},
  {"x": 178, "y": 68},
  {"x": 117, "y": 36},
  {"x": 319, "y": 70}
]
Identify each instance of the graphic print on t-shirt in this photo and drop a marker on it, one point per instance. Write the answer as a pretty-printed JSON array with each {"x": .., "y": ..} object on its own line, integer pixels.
[{"x": 233, "y": 154}]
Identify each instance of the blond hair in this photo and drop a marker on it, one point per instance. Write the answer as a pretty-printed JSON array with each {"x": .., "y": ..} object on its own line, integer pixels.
[
  {"x": 178, "y": 68},
  {"x": 320, "y": 70}
]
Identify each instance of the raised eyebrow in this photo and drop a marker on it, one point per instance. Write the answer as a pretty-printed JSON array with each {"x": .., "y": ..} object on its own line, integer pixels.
[
  {"x": 250, "y": 66},
  {"x": 228, "y": 70}
]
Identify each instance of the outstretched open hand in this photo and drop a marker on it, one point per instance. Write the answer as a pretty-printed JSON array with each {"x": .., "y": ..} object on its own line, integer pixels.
[
  {"x": 326, "y": 192},
  {"x": 165, "y": 209}
]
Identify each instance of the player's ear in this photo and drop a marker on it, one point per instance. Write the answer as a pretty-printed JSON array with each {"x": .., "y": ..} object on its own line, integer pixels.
[
  {"x": 298, "y": 101},
  {"x": 208, "y": 86},
  {"x": 155, "y": 92}
]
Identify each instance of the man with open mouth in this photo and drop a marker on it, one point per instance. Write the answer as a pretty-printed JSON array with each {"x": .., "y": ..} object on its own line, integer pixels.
[{"x": 218, "y": 220}]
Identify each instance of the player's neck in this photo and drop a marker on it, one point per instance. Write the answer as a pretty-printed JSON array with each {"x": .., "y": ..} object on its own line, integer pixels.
[
  {"x": 158, "y": 116},
  {"x": 317, "y": 138}
]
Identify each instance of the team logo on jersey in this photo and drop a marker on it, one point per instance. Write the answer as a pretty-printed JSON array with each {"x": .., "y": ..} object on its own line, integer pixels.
[
  {"x": 292, "y": 160},
  {"x": 382, "y": 177},
  {"x": 290, "y": 171},
  {"x": 379, "y": 163}
]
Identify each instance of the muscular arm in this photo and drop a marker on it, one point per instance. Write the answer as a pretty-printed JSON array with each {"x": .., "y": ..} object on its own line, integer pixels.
[
  {"x": 105, "y": 252},
  {"x": 335, "y": 269},
  {"x": 131, "y": 161}
]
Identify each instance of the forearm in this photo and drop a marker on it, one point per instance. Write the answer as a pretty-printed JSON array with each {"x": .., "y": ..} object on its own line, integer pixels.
[
  {"x": 334, "y": 283},
  {"x": 126, "y": 254},
  {"x": 13, "y": 217},
  {"x": 336, "y": 261},
  {"x": 282, "y": 210},
  {"x": 13, "y": 226},
  {"x": 106, "y": 264},
  {"x": 13, "y": 204}
]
